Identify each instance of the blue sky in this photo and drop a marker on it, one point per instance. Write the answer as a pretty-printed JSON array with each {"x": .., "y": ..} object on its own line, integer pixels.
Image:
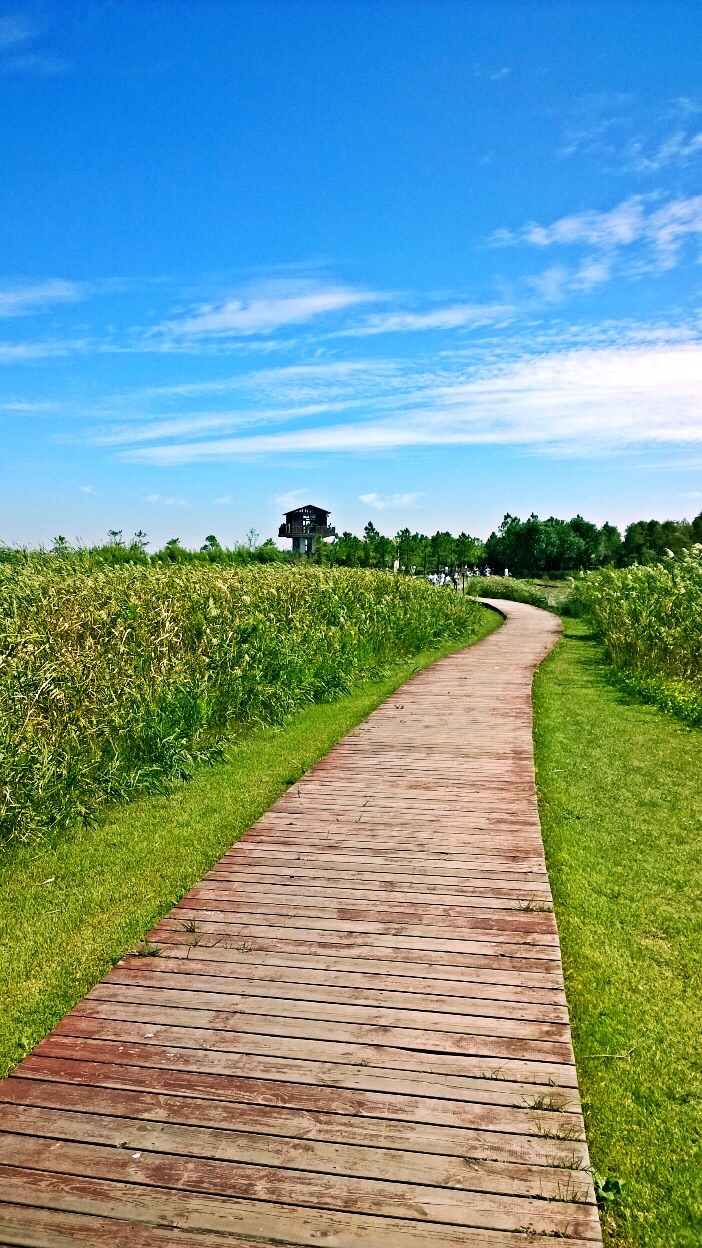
[{"x": 423, "y": 263}]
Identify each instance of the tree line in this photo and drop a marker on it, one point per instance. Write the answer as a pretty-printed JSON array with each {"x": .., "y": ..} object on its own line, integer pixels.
[
  {"x": 524, "y": 548},
  {"x": 532, "y": 547}
]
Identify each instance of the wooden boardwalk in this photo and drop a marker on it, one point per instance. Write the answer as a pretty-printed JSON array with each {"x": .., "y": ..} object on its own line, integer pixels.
[{"x": 355, "y": 1035}]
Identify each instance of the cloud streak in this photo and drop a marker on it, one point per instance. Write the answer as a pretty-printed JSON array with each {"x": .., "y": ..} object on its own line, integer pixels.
[
  {"x": 579, "y": 401},
  {"x": 268, "y": 308},
  {"x": 660, "y": 231},
  {"x": 455, "y": 316},
  {"x": 389, "y": 502},
  {"x": 25, "y": 298}
]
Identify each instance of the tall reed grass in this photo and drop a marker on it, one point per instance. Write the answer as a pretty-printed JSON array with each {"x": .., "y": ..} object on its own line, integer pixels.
[
  {"x": 119, "y": 680},
  {"x": 650, "y": 619}
]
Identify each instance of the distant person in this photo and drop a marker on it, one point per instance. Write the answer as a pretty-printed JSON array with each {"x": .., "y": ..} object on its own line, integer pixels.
[{"x": 506, "y": 572}]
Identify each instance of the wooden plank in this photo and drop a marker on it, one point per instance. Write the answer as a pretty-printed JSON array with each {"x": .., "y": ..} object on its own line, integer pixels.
[
  {"x": 281, "y": 1224},
  {"x": 156, "y": 1045},
  {"x": 250, "y": 940},
  {"x": 213, "y": 1027},
  {"x": 201, "y": 1102},
  {"x": 36, "y": 1227},
  {"x": 475, "y": 999},
  {"x": 356, "y": 1033},
  {"x": 378, "y": 1157},
  {"x": 304, "y": 1004},
  {"x": 262, "y": 1184},
  {"x": 470, "y": 969}
]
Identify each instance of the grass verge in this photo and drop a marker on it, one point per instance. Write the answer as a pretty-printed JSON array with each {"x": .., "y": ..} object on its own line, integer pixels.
[
  {"x": 73, "y": 908},
  {"x": 621, "y": 809}
]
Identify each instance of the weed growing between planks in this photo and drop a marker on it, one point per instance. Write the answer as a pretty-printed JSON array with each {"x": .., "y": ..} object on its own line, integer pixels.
[{"x": 119, "y": 680}]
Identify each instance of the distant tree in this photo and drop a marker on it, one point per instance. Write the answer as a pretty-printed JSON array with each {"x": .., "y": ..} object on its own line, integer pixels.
[
  {"x": 115, "y": 537},
  {"x": 611, "y": 548},
  {"x": 648, "y": 541},
  {"x": 61, "y": 545},
  {"x": 469, "y": 550},
  {"x": 140, "y": 539},
  {"x": 442, "y": 551},
  {"x": 346, "y": 550},
  {"x": 268, "y": 552},
  {"x": 252, "y": 539},
  {"x": 533, "y": 546},
  {"x": 173, "y": 552},
  {"x": 210, "y": 543}
]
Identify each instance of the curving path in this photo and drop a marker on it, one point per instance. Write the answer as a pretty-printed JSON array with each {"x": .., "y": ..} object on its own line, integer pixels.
[{"x": 356, "y": 1034}]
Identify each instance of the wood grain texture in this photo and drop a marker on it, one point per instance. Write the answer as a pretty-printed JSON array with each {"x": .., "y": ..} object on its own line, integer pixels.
[{"x": 355, "y": 1033}]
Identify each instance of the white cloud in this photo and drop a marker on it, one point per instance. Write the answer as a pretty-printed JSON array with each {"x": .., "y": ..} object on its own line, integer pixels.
[
  {"x": 628, "y": 139},
  {"x": 558, "y": 281},
  {"x": 30, "y": 407},
  {"x": 25, "y": 352},
  {"x": 264, "y": 309},
  {"x": 492, "y": 75},
  {"x": 222, "y": 501},
  {"x": 578, "y": 401},
  {"x": 453, "y": 317},
  {"x": 592, "y": 272},
  {"x": 385, "y": 502},
  {"x": 87, "y": 489},
  {"x": 293, "y": 498},
  {"x": 679, "y": 148},
  {"x": 165, "y": 501},
  {"x": 616, "y": 228},
  {"x": 661, "y": 231},
  {"x": 23, "y": 298}
]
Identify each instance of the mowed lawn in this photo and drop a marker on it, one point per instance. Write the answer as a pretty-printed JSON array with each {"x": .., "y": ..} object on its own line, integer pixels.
[
  {"x": 70, "y": 910},
  {"x": 621, "y": 806}
]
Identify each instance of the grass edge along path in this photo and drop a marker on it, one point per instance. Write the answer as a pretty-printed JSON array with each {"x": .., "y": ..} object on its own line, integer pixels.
[
  {"x": 621, "y": 811},
  {"x": 72, "y": 909}
]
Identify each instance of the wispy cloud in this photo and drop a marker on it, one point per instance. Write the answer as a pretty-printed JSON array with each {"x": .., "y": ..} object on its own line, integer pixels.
[
  {"x": 679, "y": 148},
  {"x": 30, "y": 407},
  {"x": 26, "y": 352},
  {"x": 264, "y": 309},
  {"x": 87, "y": 489},
  {"x": 496, "y": 74},
  {"x": 293, "y": 498},
  {"x": 453, "y": 316},
  {"x": 662, "y": 230},
  {"x": 389, "y": 502},
  {"x": 578, "y": 401},
  {"x": 25, "y": 298},
  {"x": 628, "y": 138},
  {"x": 166, "y": 501}
]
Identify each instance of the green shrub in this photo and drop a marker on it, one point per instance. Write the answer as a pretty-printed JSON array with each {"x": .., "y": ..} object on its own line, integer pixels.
[{"x": 650, "y": 619}]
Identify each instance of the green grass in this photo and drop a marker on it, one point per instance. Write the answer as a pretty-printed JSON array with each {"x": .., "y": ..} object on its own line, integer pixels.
[
  {"x": 71, "y": 909},
  {"x": 621, "y": 807}
]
